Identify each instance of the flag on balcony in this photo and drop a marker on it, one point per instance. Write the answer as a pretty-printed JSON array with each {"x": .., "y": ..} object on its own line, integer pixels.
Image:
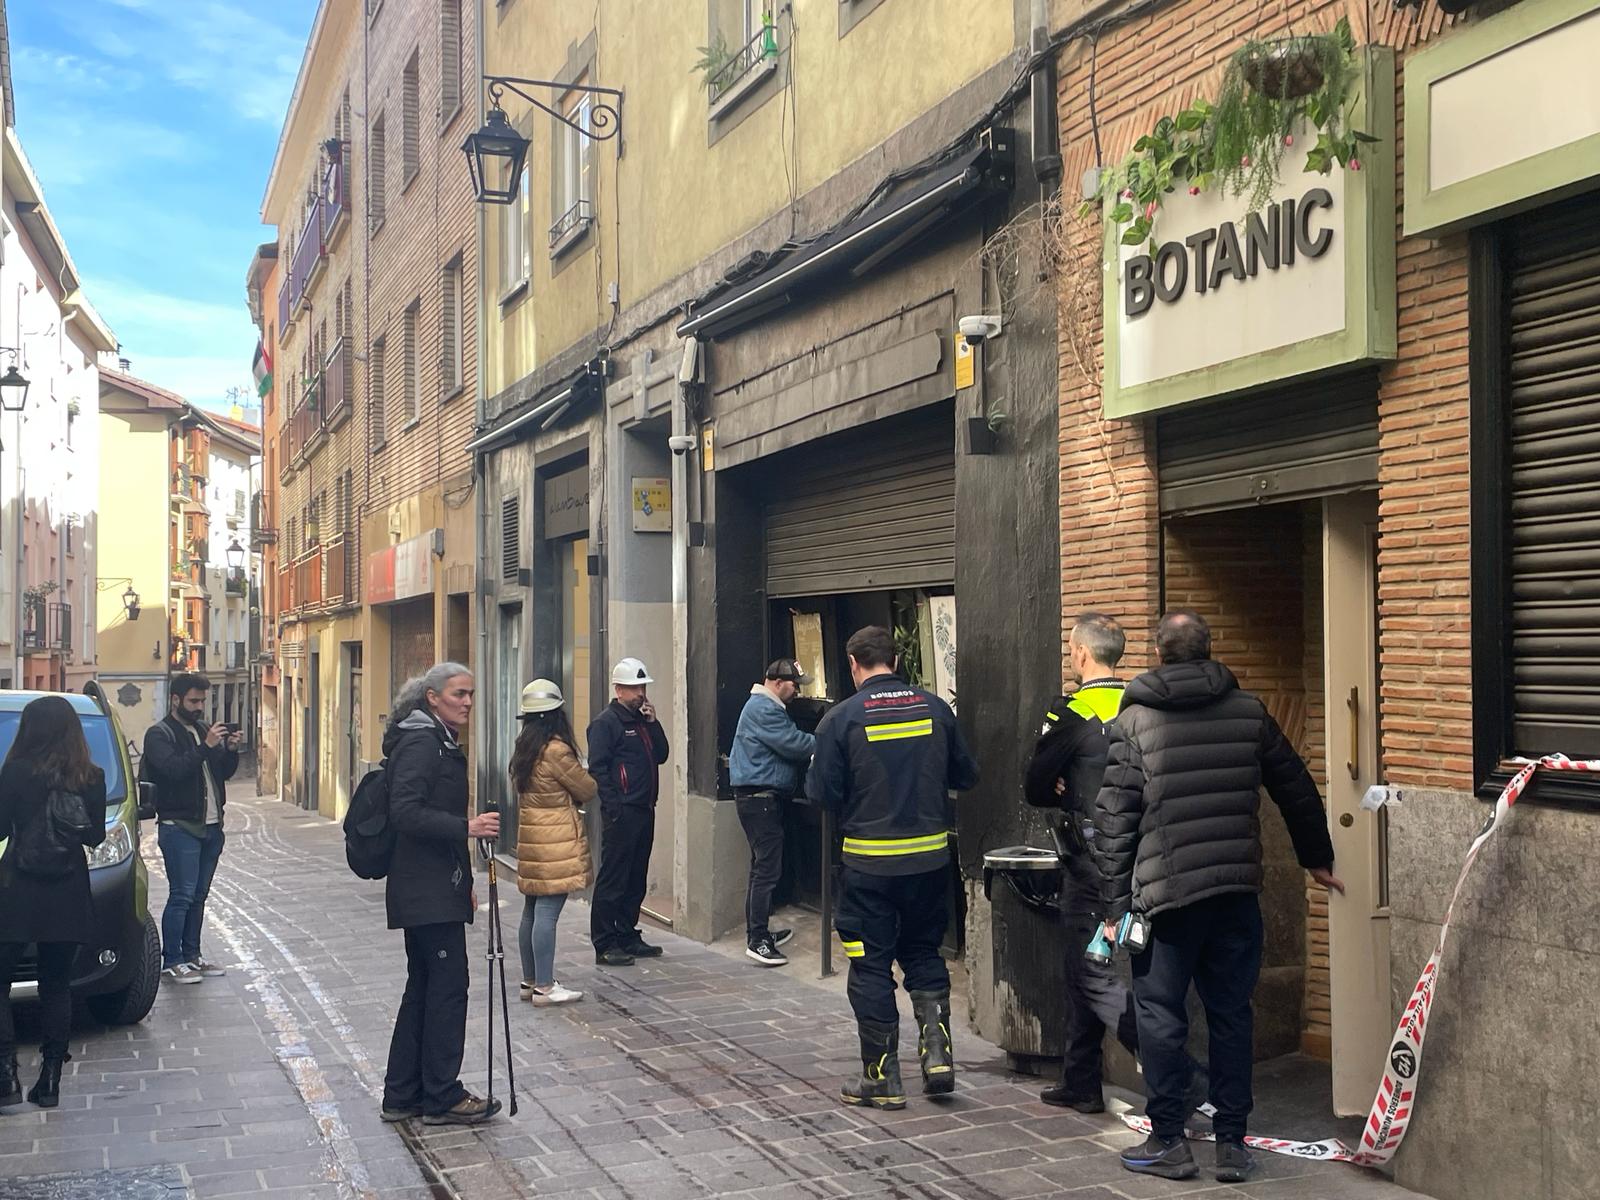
[{"x": 262, "y": 369}]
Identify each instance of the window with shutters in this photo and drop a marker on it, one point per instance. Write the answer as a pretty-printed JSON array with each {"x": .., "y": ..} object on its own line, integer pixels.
[
  {"x": 510, "y": 537},
  {"x": 1535, "y": 381},
  {"x": 410, "y": 116},
  {"x": 377, "y": 152},
  {"x": 451, "y": 308},
  {"x": 408, "y": 348},
  {"x": 514, "y": 260},
  {"x": 449, "y": 61},
  {"x": 377, "y": 360}
]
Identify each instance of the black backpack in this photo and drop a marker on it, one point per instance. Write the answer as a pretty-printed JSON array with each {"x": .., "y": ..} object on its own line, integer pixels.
[
  {"x": 49, "y": 845},
  {"x": 368, "y": 835}
]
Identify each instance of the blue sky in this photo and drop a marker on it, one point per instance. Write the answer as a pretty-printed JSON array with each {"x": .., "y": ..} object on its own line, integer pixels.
[{"x": 151, "y": 125}]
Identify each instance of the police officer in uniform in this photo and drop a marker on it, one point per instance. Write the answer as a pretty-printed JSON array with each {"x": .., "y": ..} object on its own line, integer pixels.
[
  {"x": 1064, "y": 773},
  {"x": 886, "y": 761}
]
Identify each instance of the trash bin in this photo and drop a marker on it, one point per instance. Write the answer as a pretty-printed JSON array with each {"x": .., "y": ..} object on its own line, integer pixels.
[{"x": 1027, "y": 936}]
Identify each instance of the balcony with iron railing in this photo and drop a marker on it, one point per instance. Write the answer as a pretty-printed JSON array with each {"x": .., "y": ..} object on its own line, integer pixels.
[
  {"x": 744, "y": 69},
  {"x": 300, "y": 583},
  {"x": 46, "y": 627},
  {"x": 305, "y": 427},
  {"x": 235, "y": 583},
  {"x": 335, "y": 199},
  {"x": 574, "y": 223},
  {"x": 327, "y": 217}
]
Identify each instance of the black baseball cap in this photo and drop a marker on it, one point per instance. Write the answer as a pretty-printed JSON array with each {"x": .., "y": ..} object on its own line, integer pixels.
[{"x": 787, "y": 668}]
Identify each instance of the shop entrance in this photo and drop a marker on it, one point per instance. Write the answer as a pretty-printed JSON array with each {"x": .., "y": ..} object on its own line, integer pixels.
[{"x": 1290, "y": 591}]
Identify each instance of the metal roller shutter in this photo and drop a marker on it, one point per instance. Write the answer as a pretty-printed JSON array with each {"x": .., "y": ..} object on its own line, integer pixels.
[
  {"x": 1553, "y": 443},
  {"x": 867, "y": 517},
  {"x": 1313, "y": 438}
]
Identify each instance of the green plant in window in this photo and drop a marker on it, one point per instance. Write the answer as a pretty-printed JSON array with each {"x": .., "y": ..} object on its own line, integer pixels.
[
  {"x": 713, "y": 58},
  {"x": 908, "y": 650}
]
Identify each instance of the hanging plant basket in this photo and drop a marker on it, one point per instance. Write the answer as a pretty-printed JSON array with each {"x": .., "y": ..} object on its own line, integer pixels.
[{"x": 1285, "y": 69}]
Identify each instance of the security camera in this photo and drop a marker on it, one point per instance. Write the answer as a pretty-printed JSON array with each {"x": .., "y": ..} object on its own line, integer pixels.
[
  {"x": 978, "y": 329},
  {"x": 681, "y": 443}
]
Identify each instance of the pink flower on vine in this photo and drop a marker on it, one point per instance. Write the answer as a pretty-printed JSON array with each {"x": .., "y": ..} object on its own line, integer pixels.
[
  {"x": 1150, "y": 211},
  {"x": 1288, "y": 139},
  {"x": 1355, "y": 164}
]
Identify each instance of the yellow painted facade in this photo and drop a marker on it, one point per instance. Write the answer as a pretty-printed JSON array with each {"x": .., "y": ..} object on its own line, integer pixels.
[
  {"x": 685, "y": 186},
  {"x": 134, "y": 551}
]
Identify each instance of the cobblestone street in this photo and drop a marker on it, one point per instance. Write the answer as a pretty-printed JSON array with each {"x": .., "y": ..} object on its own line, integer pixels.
[{"x": 697, "y": 1075}]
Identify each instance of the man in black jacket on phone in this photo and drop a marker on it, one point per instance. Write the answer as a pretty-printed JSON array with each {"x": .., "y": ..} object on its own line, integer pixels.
[
  {"x": 626, "y": 749},
  {"x": 189, "y": 761}
]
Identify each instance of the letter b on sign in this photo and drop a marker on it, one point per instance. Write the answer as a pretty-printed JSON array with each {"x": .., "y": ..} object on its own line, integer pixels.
[{"x": 1139, "y": 288}]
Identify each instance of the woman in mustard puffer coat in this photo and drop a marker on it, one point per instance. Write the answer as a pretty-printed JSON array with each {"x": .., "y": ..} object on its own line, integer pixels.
[{"x": 552, "y": 848}]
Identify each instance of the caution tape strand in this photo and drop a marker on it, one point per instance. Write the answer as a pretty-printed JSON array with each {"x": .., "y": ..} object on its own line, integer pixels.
[{"x": 1395, "y": 1101}]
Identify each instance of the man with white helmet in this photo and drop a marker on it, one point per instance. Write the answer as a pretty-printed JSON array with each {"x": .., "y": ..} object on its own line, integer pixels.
[{"x": 626, "y": 749}]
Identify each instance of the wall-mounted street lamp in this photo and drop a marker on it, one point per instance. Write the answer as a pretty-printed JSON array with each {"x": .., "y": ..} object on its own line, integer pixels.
[
  {"x": 497, "y": 151},
  {"x": 130, "y": 598},
  {"x": 13, "y": 384},
  {"x": 235, "y": 555}
]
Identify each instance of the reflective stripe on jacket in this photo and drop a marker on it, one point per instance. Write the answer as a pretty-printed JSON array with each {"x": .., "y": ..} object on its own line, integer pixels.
[{"x": 886, "y": 761}]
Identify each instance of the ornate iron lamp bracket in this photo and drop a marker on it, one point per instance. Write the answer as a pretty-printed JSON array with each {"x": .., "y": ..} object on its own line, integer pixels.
[{"x": 605, "y": 116}]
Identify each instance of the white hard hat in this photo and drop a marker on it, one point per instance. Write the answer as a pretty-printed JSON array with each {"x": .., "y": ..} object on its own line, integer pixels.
[
  {"x": 540, "y": 696},
  {"x": 630, "y": 672}
]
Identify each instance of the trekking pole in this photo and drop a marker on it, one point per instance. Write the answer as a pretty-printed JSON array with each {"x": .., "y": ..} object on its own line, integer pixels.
[
  {"x": 497, "y": 934},
  {"x": 488, "y": 958}
]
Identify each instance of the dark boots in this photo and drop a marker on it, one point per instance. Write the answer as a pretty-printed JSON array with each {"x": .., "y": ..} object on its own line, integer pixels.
[
  {"x": 879, "y": 1084},
  {"x": 10, "y": 1089},
  {"x": 932, "y": 1010},
  {"x": 47, "y": 1092}
]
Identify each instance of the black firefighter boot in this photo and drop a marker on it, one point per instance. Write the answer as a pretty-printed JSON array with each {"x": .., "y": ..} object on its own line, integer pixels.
[
  {"x": 879, "y": 1084},
  {"x": 47, "y": 1092},
  {"x": 10, "y": 1089},
  {"x": 932, "y": 1011}
]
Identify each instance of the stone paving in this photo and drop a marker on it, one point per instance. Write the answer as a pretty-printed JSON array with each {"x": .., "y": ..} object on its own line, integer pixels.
[{"x": 696, "y": 1075}]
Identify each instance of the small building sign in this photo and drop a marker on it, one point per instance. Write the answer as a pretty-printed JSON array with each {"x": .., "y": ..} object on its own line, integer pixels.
[
  {"x": 652, "y": 505},
  {"x": 402, "y": 571},
  {"x": 566, "y": 504}
]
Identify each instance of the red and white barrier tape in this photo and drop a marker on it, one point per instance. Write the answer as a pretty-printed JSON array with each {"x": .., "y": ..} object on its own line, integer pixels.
[{"x": 1402, "y": 1073}]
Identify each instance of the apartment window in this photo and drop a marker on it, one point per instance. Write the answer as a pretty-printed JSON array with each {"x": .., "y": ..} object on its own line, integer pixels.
[
  {"x": 573, "y": 177},
  {"x": 514, "y": 261},
  {"x": 377, "y": 150},
  {"x": 375, "y": 395},
  {"x": 345, "y": 130},
  {"x": 347, "y": 514},
  {"x": 449, "y": 60},
  {"x": 410, "y": 111},
  {"x": 408, "y": 348},
  {"x": 451, "y": 372}
]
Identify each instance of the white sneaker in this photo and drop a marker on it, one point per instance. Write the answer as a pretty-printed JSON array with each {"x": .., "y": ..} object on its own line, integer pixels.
[
  {"x": 556, "y": 995},
  {"x": 182, "y": 973}
]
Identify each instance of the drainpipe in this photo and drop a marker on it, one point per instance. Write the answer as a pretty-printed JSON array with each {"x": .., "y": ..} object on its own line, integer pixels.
[
  {"x": 480, "y": 474},
  {"x": 1042, "y": 97}
]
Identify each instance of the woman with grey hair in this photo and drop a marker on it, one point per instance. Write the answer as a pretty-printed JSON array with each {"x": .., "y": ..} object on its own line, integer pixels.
[{"x": 429, "y": 895}]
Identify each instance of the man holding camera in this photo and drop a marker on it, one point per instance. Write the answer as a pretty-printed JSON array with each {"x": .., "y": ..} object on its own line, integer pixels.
[{"x": 189, "y": 761}]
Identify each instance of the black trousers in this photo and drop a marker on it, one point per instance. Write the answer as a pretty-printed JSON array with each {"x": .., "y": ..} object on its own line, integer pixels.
[
  {"x": 430, "y": 1032},
  {"x": 885, "y": 919},
  {"x": 1096, "y": 999},
  {"x": 1216, "y": 943},
  {"x": 627, "y": 834},
  {"x": 55, "y": 996},
  {"x": 762, "y": 819}
]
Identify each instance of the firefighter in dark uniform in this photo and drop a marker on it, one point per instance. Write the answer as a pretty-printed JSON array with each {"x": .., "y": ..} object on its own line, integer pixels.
[
  {"x": 886, "y": 761},
  {"x": 1064, "y": 773}
]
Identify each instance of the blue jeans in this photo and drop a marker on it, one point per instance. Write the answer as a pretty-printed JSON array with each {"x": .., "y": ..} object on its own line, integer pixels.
[
  {"x": 536, "y": 938},
  {"x": 191, "y": 862}
]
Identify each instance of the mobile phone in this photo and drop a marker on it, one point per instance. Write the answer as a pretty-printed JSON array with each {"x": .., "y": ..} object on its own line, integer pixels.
[{"x": 233, "y": 727}]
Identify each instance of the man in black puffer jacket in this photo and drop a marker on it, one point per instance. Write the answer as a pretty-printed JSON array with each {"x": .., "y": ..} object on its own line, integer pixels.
[{"x": 1178, "y": 838}]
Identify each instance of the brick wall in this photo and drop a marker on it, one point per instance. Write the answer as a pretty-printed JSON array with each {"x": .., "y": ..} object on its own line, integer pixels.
[
  {"x": 429, "y": 220},
  {"x": 1109, "y": 545}
]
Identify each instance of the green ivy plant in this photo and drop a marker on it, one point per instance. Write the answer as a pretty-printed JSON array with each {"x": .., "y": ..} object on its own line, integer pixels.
[
  {"x": 1239, "y": 143},
  {"x": 712, "y": 59}
]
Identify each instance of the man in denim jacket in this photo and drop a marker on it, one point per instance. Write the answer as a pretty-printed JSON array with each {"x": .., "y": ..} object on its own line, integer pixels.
[{"x": 767, "y": 763}]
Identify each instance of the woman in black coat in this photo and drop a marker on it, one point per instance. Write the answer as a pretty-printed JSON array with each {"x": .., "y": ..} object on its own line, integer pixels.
[
  {"x": 429, "y": 895},
  {"x": 53, "y": 910}
]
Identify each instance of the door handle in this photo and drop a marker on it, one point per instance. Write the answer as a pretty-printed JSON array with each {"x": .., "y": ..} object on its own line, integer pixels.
[{"x": 1353, "y": 763}]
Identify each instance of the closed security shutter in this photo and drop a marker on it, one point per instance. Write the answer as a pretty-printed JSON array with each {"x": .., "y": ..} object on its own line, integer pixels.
[
  {"x": 875, "y": 514},
  {"x": 1312, "y": 438},
  {"x": 1553, "y": 383}
]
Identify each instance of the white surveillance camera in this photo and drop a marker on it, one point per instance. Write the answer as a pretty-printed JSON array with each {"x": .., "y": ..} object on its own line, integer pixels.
[
  {"x": 681, "y": 443},
  {"x": 978, "y": 329}
]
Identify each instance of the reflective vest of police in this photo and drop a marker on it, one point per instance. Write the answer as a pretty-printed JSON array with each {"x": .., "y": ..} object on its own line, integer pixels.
[
  {"x": 887, "y": 759},
  {"x": 1072, "y": 746}
]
